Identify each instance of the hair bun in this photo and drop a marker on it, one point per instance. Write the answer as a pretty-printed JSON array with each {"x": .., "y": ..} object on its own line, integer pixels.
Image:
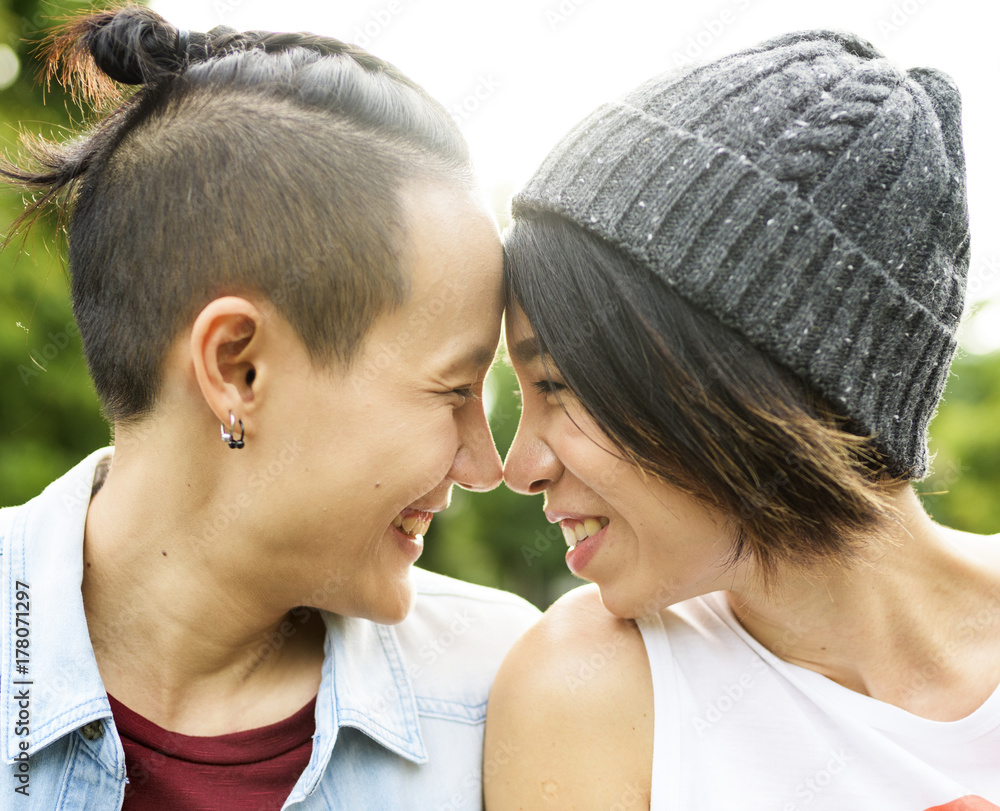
[{"x": 134, "y": 45}]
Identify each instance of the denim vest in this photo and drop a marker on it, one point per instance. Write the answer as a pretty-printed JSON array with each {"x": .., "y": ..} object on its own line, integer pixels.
[{"x": 399, "y": 714}]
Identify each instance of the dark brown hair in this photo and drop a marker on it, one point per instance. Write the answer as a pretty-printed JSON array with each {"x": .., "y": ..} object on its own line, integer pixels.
[
  {"x": 245, "y": 163},
  {"x": 693, "y": 402}
]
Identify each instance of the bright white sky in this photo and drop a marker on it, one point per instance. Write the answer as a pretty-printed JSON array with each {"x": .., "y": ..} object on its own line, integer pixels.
[{"x": 519, "y": 73}]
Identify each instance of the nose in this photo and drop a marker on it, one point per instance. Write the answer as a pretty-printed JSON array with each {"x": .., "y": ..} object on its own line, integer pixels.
[
  {"x": 477, "y": 464},
  {"x": 531, "y": 466}
]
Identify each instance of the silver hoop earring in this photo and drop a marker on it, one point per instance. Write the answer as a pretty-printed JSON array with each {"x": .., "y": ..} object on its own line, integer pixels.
[{"x": 227, "y": 436}]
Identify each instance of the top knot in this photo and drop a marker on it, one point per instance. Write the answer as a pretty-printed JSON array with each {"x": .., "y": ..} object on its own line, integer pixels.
[
  {"x": 133, "y": 46},
  {"x": 96, "y": 53}
]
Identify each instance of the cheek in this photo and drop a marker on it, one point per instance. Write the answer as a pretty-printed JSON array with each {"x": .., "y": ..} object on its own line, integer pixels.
[
  {"x": 596, "y": 467},
  {"x": 426, "y": 452},
  {"x": 436, "y": 432}
]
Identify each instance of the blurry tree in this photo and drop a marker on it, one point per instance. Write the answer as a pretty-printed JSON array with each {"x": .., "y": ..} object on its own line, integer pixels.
[
  {"x": 963, "y": 490},
  {"x": 500, "y": 538},
  {"x": 50, "y": 419}
]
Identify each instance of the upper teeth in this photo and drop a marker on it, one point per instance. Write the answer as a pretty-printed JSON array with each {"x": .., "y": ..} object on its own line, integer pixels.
[
  {"x": 415, "y": 523},
  {"x": 577, "y": 530}
]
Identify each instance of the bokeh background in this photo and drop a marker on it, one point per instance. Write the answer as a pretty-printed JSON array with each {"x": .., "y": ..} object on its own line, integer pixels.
[{"x": 515, "y": 75}]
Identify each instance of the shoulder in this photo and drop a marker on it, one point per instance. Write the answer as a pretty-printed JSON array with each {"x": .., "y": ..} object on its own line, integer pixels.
[
  {"x": 571, "y": 714},
  {"x": 455, "y": 637},
  {"x": 584, "y": 642}
]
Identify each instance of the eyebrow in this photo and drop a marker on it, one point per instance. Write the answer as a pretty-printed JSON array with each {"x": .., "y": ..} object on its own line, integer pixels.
[
  {"x": 478, "y": 358},
  {"x": 483, "y": 357},
  {"x": 526, "y": 350}
]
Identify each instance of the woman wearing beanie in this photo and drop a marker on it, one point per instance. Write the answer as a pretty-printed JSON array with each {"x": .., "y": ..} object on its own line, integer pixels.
[{"x": 733, "y": 298}]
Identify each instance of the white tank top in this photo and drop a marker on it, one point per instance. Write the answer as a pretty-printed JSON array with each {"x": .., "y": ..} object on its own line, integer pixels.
[{"x": 735, "y": 727}]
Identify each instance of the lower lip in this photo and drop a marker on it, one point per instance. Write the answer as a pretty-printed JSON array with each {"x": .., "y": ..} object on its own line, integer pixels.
[
  {"x": 411, "y": 545},
  {"x": 580, "y": 555}
]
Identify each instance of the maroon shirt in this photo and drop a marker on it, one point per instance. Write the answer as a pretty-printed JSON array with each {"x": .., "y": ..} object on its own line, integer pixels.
[{"x": 253, "y": 770}]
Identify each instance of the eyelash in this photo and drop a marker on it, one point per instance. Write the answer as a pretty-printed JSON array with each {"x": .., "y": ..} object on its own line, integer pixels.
[
  {"x": 547, "y": 387},
  {"x": 466, "y": 393}
]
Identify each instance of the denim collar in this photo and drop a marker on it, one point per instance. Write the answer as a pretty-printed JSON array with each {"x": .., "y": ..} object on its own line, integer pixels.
[
  {"x": 42, "y": 547},
  {"x": 364, "y": 685}
]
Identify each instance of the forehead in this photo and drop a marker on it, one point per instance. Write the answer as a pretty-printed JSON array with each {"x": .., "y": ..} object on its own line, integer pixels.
[
  {"x": 522, "y": 343},
  {"x": 453, "y": 264},
  {"x": 451, "y": 239}
]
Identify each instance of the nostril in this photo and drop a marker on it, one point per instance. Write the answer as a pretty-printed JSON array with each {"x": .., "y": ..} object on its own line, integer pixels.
[{"x": 538, "y": 485}]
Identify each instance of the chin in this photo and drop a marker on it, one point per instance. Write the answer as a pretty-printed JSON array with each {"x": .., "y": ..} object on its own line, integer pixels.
[
  {"x": 630, "y": 606},
  {"x": 623, "y": 609},
  {"x": 393, "y": 605}
]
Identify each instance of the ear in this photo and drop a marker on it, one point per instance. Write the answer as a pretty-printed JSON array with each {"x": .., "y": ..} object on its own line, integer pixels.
[{"x": 224, "y": 343}]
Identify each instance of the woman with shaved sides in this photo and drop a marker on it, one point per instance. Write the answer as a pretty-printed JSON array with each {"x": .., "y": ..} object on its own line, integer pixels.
[
  {"x": 733, "y": 297},
  {"x": 222, "y": 612}
]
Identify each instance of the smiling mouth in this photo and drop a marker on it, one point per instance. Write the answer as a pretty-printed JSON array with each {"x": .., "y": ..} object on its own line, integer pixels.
[
  {"x": 413, "y": 522},
  {"x": 576, "y": 530}
]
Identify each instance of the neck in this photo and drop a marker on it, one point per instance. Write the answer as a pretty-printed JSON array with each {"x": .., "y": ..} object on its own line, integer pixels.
[
  {"x": 912, "y": 622},
  {"x": 185, "y": 630}
]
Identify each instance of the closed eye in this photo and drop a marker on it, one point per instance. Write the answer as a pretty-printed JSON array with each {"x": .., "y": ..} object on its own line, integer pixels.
[
  {"x": 548, "y": 386},
  {"x": 466, "y": 393}
]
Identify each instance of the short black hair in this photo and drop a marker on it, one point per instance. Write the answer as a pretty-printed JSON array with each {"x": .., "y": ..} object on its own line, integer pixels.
[
  {"x": 692, "y": 402},
  {"x": 250, "y": 163}
]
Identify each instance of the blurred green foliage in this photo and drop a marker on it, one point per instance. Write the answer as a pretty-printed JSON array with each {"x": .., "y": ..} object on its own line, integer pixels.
[
  {"x": 50, "y": 419},
  {"x": 963, "y": 490}
]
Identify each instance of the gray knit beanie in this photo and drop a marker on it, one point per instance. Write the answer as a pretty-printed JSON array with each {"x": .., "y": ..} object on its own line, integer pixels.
[{"x": 807, "y": 193}]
